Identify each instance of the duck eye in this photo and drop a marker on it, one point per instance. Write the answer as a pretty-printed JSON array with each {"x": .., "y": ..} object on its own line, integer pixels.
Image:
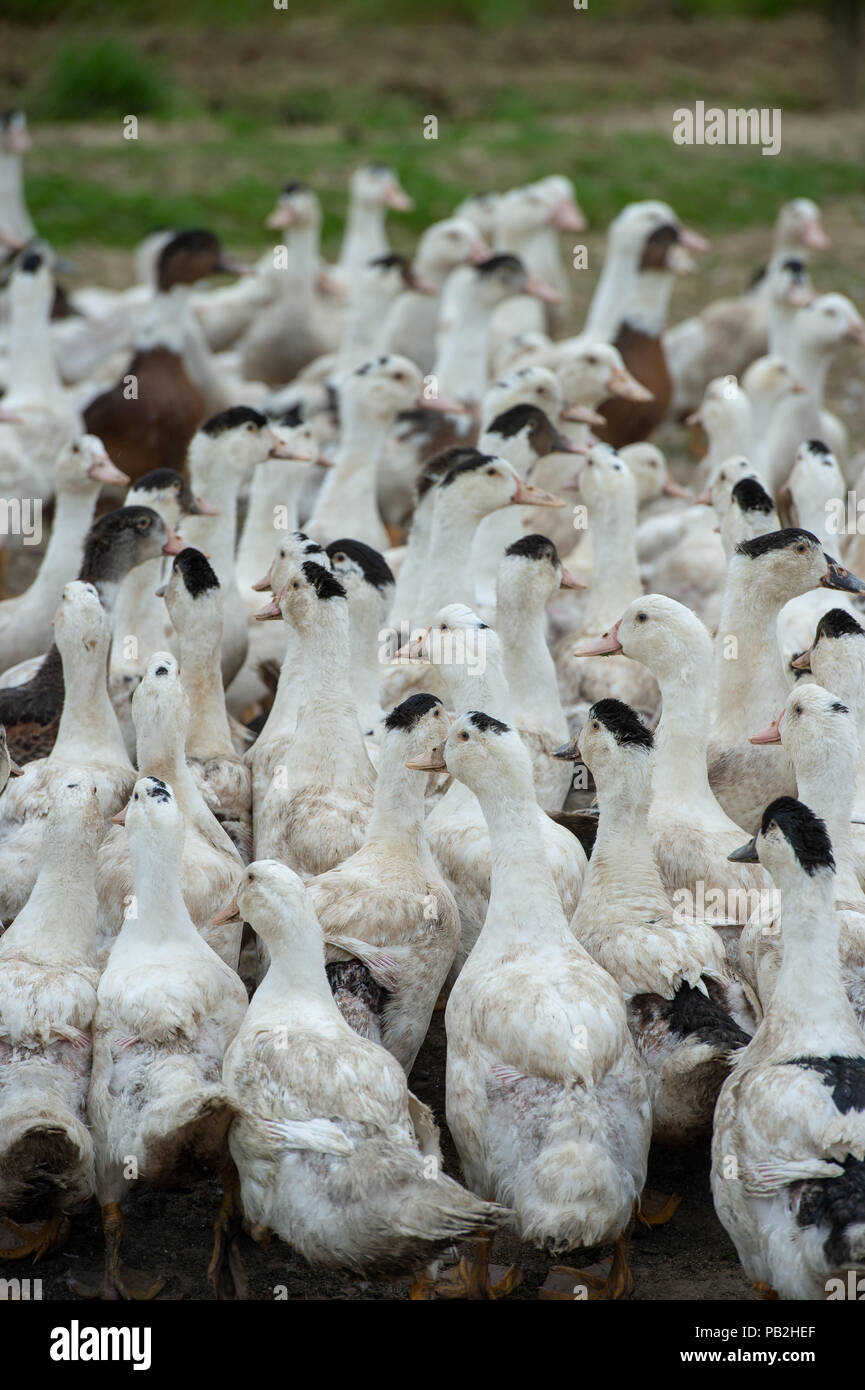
[
  {"x": 295, "y": 583},
  {"x": 800, "y": 548},
  {"x": 143, "y": 523},
  {"x": 76, "y": 448},
  {"x": 250, "y": 878},
  {"x": 250, "y": 427},
  {"x": 492, "y": 472},
  {"x": 642, "y": 617},
  {"x": 592, "y": 361},
  {"x": 464, "y": 737},
  {"x": 135, "y": 796},
  {"x": 595, "y": 724}
]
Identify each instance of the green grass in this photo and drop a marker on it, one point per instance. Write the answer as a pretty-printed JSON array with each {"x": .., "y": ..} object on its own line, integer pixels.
[
  {"x": 104, "y": 78},
  {"x": 118, "y": 192}
]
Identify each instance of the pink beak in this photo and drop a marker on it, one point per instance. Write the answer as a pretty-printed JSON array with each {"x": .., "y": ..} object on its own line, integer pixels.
[
  {"x": 672, "y": 489},
  {"x": 282, "y": 216},
  {"x": 227, "y": 914},
  {"x": 205, "y": 508},
  {"x": 398, "y": 199},
  {"x": 421, "y": 286},
  {"x": 261, "y": 586},
  {"x": 813, "y": 235},
  {"x": 704, "y": 499},
  {"x": 120, "y": 818},
  {"x": 856, "y": 331},
  {"x": 440, "y": 403},
  {"x": 692, "y": 240},
  {"x": 568, "y": 217},
  {"x": 529, "y": 496},
  {"x": 479, "y": 251},
  {"x": 280, "y": 450},
  {"x": 7, "y": 418},
  {"x": 271, "y": 611},
  {"x": 568, "y": 581},
  {"x": 413, "y": 650},
  {"x": 541, "y": 290},
  {"x": 174, "y": 544},
  {"x": 802, "y": 662},
  {"x": 583, "y": 415},
  {"x": 621, "y": 383},
  {"x": 607, "y": 645},
  {"x": 104, "y": 471},
  {"x": 770, "y": 735},
  {"x": 695, "y": 417},
  {"x": 800, "y": 296}
]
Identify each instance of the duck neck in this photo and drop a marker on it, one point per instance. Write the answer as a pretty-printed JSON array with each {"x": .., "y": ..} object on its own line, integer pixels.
[
  {"x": 298, "y": 278},
  {"x": 623, "y": 848},
  {"x": 328, "y": 741},
  {"x": 749, "y": 681},
  {"x": 808, "y": 1013},
  {"x": 138, "y": 615},
  {"x": 272, "y": 509},
  {"x": 411, "y": 571},
  {"x": 482, "y": 686},
  {"x": 200, "y": 661},
  {"x": 680, "y": 774},
  {"x": 88, "y": 730},
  {"x": 365, "y": 620},
  {"x": 351, "y": 486},
  {"x": 365, "y": 236},
  {"x": 649, "y": 305},
  {"x": 32, "y": 368},
  {"x": 66, "y": 875},
  {"x": 73, "y": 514},
  {"x": 613, "y": 295},
  {"x": 524, "y": 903},
  {"x": 824, "y": 786},
  {"x": 616, "y": 581},
  {"x": 161, "y": 753},
  {"x": 448, "y": 573},
  {"x": 528, "y": 664},
  {"x": 398, "y": 804},
  {"x": 14, "y": 218},
  {"x": 166, "y": 324},
  {"x": 462, "y": 359},
  {"x": 160, "y": 912},
  {"x": 216, "y": 535},
  {"x": 363, "y": 328},
  {"x": 810, "y": 368}
]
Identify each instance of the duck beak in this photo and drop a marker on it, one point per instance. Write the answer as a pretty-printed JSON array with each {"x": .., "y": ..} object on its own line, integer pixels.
[
  {"x": 693, "y": 240},
  {"x": 568, "y": 581},
  {"x": 326, "y": 283},
  {"x": 261, "y": 586},
  {"x": 322, "y": 461},
  {"x": 283, "y": 215},
  {"x": 529, "y": 496},
  {"x": 479, "y": 251},
  {"x": 174, "y": 544},
  {"x": 770, "y": 735},
  {"x": 199, "y": 508},
  {"x": 102, "y": 470},
  {"x": 568, "y": 752},
  {"x": 440, "y": 403},
  {"x": 856, "y": 331},
  {"x": 621, "y": 383},
  {"x": 539, "y": 289},
  {"x": 230, "y": 913},
  {"x": 836, "y": 577},
  {"x": 413, "y": 650},
  {"x": 802, "y": 662},
  {"x": 799, "y": 296},
  {"x": 7, "y": 418},
  {"x": 271, "y": 611},
  {"x": 813, "y": 235},
  {"x": 672, "y": 489},
  {"x": 431, "y": 761},
  {"x": 567, "y": 216},
  {"x": 120, "y": 818},
  {"x": 583, "y": 414},
  {"x": 606, "y": 645},
  {"x": 160, "y": 592},
  {"x": 746, "y": 854},
  {"x": 397, "y": 198},
  {"x": 704, "y": 498},
  {"x": 562, "y": 445},
  {"x": 14, "y": 769}
]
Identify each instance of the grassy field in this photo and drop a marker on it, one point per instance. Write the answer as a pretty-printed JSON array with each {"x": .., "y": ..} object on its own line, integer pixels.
[{"x": 226, "y": 116}]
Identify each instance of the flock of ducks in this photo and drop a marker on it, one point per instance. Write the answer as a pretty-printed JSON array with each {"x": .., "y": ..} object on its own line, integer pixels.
[{"x": 325, "y": 711}]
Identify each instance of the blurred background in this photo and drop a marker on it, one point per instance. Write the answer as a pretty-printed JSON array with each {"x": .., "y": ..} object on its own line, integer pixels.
[{"x": 235, "y": 97}]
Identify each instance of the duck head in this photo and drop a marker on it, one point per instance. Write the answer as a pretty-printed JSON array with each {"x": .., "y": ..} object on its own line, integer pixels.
[
  {"x": 190, "y": 256},
  {"x": 81, "y": 624},
  {"x": 83, "y": 467},
  {"x": 530, "y": 573},
  {"x": 791, "y": 841},
  {"x": 168, "y": 494},
  {"x": 308, "y": 592},
  {"x": 484, "y": 482},
  {"x": 378, "y": 185}
]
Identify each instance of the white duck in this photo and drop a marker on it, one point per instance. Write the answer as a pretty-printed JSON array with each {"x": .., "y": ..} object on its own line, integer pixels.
[
  {"x": 546, "y": 1098},
  {"x": 313, "y": 810},
  {"x": 167, "y": 1008},
  {"x": 15, "y": 220},
  {"x": 835, "y": 659},
  {"x": 323, "y": 1112},
  {"x": 193, "y": 598},
  {"x": 48, "y": 979},
  {"x": 683, "y": 1007},
  {"x": 373, "y": 189},
  {"x": 789, "y": 1144},
  {"x": 529, "y": 575},
  {"x": 390, "y": 923},
  {"x": 410, "y": 326},
  {"x": 369, "y": 584},
  {"x": 81, "y": 469},
  {"x": 211, "y": 862},
  {"x": 88, "y": 739}
]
